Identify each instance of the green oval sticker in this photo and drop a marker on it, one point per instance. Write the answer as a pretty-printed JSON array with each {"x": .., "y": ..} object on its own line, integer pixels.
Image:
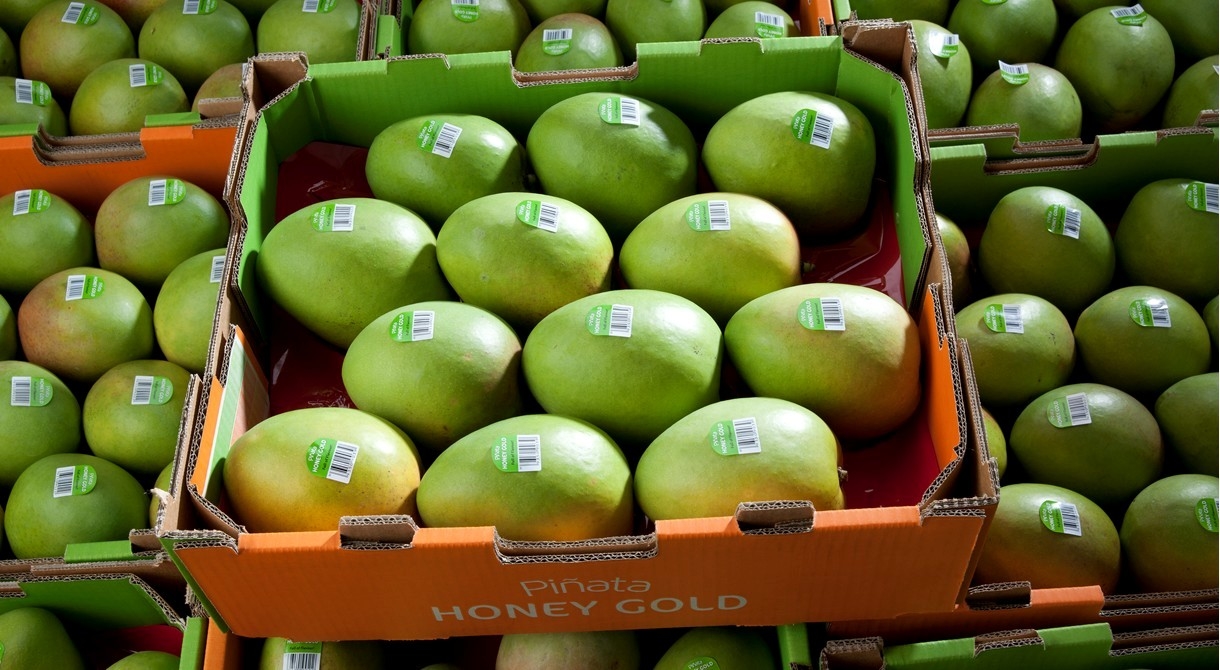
[
  {"x": 201, "y": 7},
  {"x": 317, "y": 6},
  {"x": 1063, "y": 220},
  {"x": 556, "y": 41},
  {"x": 32, "y": 92},
  {"x": 332, "y": 459},
  {"x": 709, "y": 215},
  {"x": 1205, "y": 512},
  {"x": 81, "y": 14},
  {"x": 413, "y": 326},
  {"x": 821, "y": 314},
  {"x": 144, "y": 74},
  {"x": 83, "y": 287},
  {"x": 76, "y": 480},
  {"x": 1004, "y": 318},
  {"x": 812, "y": 128},
  {"x": 151, "y": 390},
  {"x": 30, "y": 392},
  {"x": 517, "y": 453},
  {"x": 1130, "y": 16},
  {"x": 735, "y": 437},
  {"x": 702, "y": 663},
  {"x": 619, "y": 111},
  {"x": 1150, "y": 313},
  {"x": 610, "y": 320},
  {"x": 31, "y": 201},
  {"x": 166, "y": 192},
  {"x": 539, "y": 214},
  {"x": 1203, "y": 197},
  {"x": 767, "y": 24},
  {"x": 1069, "y": 411},
  {"x": 336, "y": 217},
  {"x": 466, "y": 11},
  {"x": 1017, "y": 75},
  {"x": 947, "y": 45},
  {"x": 1060, "y": 517}
]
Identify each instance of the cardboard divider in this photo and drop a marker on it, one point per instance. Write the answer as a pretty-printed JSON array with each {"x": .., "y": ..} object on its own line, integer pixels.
[{"x": 384, "y": 578}]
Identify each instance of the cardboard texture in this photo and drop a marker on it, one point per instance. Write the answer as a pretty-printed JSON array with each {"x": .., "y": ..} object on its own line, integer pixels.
[
  {"x": 1090, "y": 646},
  {"x": 383, "y": 578},
  {"x": 108, "y": 615}
]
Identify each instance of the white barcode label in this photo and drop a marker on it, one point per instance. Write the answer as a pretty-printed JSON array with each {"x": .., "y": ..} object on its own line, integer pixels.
[
  {"x": 1071, "y": 223},
  {"x": 948, "y": 40},
  {"x": 1211, "y": 198},
  {"x": 25, "y": 91},
  {"x": 156, "y": 192},
  {"x": 422, "y": 325},
  {"x": 310, "y": 6},
  {"x": 1078, "y": 409},
  {"x": 1124, "y": 12},
  {"x": 745, "y": 431},
  {"x": 63, "y": 481},
  {"x": 620, "y": 320},
  {"x": 948, "y": 45},
  {"x": 529, "y": 453},
  {"x": 21, "y": 202},
  {"x": 718, "y": 215},
  {"x": 769, "y": 19},
  {"x": 629, "y": 111},
  {"x": 137, "y": 75},
  {"x": 1013, "y": 323},
  {"x": 832, "y": 314},
  {"x": 1018, "y": 69},
  {"x": 141, "y": 390},
  {"x": 76, "y": 287},
  {"x": 192, "y": 6},
  {"x": 342, "y": 462},
  {"x": 465, "y": 3},
  {"x": 72, "y": 15},
  {"x": 302, "y": 660},
  {"x": 548, "y": 217},
  {"x": 823, "y": 126},
  {"x": 446, "y": 140},
  {"x": 218, "y": 269},
  {"x": 1159, "y": 309},
  {"x": 1071, "y": 519},
  {"x": 553, "y": 34},
  {"x": 20, "y": 395},
  {"x": 344, "y": 219}
]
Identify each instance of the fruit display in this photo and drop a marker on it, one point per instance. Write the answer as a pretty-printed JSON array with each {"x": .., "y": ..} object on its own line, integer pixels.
[{"x": 97, "y": 67}]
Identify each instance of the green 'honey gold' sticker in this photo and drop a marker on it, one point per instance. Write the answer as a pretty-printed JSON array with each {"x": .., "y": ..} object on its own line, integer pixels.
[
  {"x": 1205, "y": 512},
  {"x": 31, "y": 201},
  {"x": 708, "y": 215},
  {"x": 556, "y": 41},
  {"x": 82, "y": 13},
  {"x": 318, "y": 6},
  {"x": 166, "y": 192},
  {"x": 413, "y": 326},
  {"x": 1060, "y": 517},
  {"x": 32, "y": 92},
  {"x": 702, "y": 663},
  {"x": 767, "y": 24},
  {"x": 335, "y": 217},
  {"x": 1203, "y": 197},
  {"x": 30, "y": 392},
  {"x": 610, "y": 320},
  {"x": 1069, "y": 411},
  {"x": 948, "y": 45},
  {"x": 735, "y": 437},
  {"x": 144, "y": 74},
  {"x": 538, "y": 214},
  {"x": 1003, "y": 318},
  {"x": 1130, "y": 16},
  {"x": 151, "y": 390},
  {"x": 466, "y": 11},
  {"x": 619, "y": 111},
  {"x": 1150, "y": 312},
  {"x": 332, "y": 459},
  {"x": 202, "y": 7},
  {"x": 517, "y": 453},
  {"x": 1063, "y": 220},
  {"x": 83, "y": 287},
  {"x": 1017, "y": 75},
  {"x": 821, "y": 314},
  {"x": 302, "y": 655},
  {"x": 76, "y": 480}
]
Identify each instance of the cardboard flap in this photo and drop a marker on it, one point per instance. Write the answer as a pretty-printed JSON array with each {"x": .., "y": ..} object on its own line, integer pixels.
[
  {"x": 1002, "y": 142},
  {"x": 390, "y": 531},
  {"x": 857, "y": 654},
  {"x": 1166, "y": 636},
  {"x": 1002, "y": 594},
  {"x": 600, "y": 549}
]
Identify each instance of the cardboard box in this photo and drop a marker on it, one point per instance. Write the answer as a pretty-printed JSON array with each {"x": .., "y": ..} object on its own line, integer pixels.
[
  {"x": 384, "y": 578},
  {"x": 109, "y": 615},
  {"x": 1081, "y": 647}
]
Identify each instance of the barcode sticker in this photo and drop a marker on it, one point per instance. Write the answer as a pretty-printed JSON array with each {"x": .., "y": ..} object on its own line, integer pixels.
[
  {"x": 30, "y": 201},
  {"x": 1016, "y": 75},
  {"x": 310, "y": 6},
  {"x": 413, "y": 326},
  {"x": 141, "y": 74},
  {"x": 611, "y": 320},
  {"x": 302, "y": 656},
  {"x": 332, "y": 459},
  {"x": 217, "y": 271},
  {"x": 1060, "y": 517},
  {"x": 466, "y": 11},
  {"x": 709, "y": 215},
  {"x": 1069, "y": 411},
  {"x": 166, "y": 192},
  {"x": 1063, "y": 220},
  {"x": 1203, "y": 197},
  {"x": 83, "y": 287},
  {"x": 1150, "y": 312},
  {"x": 735, "y": 437},
  {"x": 948, "y": 45},
  {"x": 517, "y": 453},
  {"x": 821, "y": 314},
  {"x": 190, "y": 6},
  {"x": 1004, "y": 318},
  {"x": 337, "y": 217},
  {"x": 439, "y": 138},
  {"x": 151, "y": 390},
  {"x": 74, "y": 480},
  {"x": 539, "y": 214},
  {"x": 556, "y": 34},
  {"x": 620, "y": 111},
  {"x": 201, "y": 7},
  {"x": 556, "y": 41},
  {"x": 25, "y": 91},
  {"x": 812, "y": 128},
  {"x": 767, "y": 24},
  {"x": 1130, "y": 16},
  {"x": 81, "y": 14},
  {"x": 30, "y": 392}
]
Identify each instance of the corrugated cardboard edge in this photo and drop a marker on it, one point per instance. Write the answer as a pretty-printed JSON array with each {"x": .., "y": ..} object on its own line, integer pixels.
[
  {"x": 11, "y": 588},
  {"x": 858, "y": 654},
  {"x": 1166, "y": 639},
  {"x": 621, "y": 548},
  {"x": 1006, "y": 639}
]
